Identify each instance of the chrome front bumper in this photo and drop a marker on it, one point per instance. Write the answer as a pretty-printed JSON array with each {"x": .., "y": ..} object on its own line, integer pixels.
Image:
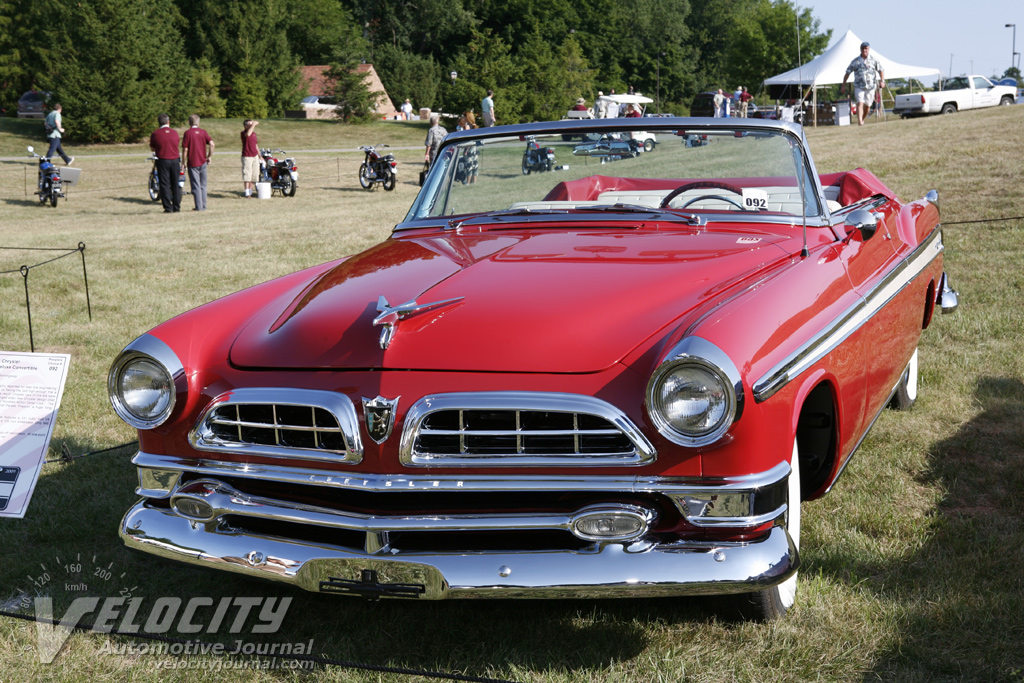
[
  {"x": 211, "y": 529},
  {"x": 635, "y": 569}
]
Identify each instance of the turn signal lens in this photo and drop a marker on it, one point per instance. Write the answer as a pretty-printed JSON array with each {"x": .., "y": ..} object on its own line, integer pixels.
[{"x": 611, "y": 524}]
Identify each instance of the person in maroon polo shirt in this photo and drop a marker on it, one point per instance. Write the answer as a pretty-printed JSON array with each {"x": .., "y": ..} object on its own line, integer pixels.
[
  {"x": 250, "y": 156},
  {"x": 164, "y": 143},
  {"x": 194, "y": 145}
]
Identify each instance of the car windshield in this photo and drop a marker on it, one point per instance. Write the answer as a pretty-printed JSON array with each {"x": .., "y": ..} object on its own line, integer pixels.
[{"x": 649, "y": 165}]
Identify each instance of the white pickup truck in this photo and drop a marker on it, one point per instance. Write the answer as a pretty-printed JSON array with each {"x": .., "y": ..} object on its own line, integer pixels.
[{"x": 962, "y": 92}]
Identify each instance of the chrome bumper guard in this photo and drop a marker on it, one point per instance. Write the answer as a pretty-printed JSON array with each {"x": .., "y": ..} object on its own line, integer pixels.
[{"x": 197, "y": 528}]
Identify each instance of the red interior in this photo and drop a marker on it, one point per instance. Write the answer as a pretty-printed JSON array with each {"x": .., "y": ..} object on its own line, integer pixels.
[{"x": 853, "y": 185}]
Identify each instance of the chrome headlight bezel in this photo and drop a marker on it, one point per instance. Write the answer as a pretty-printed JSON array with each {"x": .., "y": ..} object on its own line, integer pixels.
[
  {"x": 701, "y": 354},
  {"x": 153, "y": 352}
]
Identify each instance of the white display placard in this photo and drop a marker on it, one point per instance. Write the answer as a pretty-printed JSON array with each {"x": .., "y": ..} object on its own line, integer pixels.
[{"x": 31, "y": 387}]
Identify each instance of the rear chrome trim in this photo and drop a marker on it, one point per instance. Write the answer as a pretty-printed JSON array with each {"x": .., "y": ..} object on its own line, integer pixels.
[
  {"x": 519, "y": 404},
  {"x": 850, "y": 320}
]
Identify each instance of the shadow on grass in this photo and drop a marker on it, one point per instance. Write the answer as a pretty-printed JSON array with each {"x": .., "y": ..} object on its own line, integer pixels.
[
  {"x": 23, "y": 202},
  {"x": 142, "y": 201},
  {"x": 961, "y": 595}
]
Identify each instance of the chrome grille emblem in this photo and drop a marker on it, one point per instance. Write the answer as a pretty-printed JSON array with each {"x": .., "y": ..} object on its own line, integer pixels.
[
  {"x": 379, "y": 414},
  {"x": 389, "y": 316}
]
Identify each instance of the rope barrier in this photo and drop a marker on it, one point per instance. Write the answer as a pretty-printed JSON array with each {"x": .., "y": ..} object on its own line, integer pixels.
[
  {"x": 323, "y": 661},
  {"x": 65, "y": 452},
  {"x": 25, "y": 269},
  {"x": 984, "y": 220}
]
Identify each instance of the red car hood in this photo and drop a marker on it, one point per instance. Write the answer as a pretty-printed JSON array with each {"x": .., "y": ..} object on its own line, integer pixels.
[{"x": 565, "y": 300}]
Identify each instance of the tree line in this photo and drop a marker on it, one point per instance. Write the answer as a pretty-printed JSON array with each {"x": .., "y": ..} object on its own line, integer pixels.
[{"x": 115, "y": 64}]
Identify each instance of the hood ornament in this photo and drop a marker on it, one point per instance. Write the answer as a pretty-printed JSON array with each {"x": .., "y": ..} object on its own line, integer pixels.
[
  {"x": 379, "y": 414},
  {"x": 389, "y": 316}
]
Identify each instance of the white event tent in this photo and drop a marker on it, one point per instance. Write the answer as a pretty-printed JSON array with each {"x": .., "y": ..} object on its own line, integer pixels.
[{"x": 829, "y": 67}]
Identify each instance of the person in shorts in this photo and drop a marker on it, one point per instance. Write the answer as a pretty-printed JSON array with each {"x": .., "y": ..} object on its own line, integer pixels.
[
  {"x": 250, "y": 156},
  {"x": 868, "y": 74}
]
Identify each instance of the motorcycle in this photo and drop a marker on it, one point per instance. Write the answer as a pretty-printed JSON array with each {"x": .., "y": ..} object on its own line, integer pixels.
[
  {"x": 537, "y": 158},
  {"x": 50, "y": 188},
  {"x": 154, "y": 181},
  {"x": 377, "y": 168},
  {"x": 282, "y": 174}
]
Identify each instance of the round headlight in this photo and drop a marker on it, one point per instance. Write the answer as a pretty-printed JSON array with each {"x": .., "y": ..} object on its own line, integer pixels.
[
  {"x": 142, "y": 392},
  {"x": 691, "y": 401}
]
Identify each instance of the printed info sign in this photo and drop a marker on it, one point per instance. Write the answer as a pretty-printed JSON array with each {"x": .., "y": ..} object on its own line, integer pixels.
[{"x": 31, "y": 386}]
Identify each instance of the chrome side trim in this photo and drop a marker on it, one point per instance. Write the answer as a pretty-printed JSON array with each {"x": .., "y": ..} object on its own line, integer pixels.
[
  {"x": 628, "y": 569},
  {"x": 203, "y": 438},
  {"x": 849, "y": 321},
  {"x": 643, "y": 452}
]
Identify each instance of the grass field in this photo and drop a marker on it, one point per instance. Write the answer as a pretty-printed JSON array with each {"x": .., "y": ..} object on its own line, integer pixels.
[{"x": 912, "y": 567}]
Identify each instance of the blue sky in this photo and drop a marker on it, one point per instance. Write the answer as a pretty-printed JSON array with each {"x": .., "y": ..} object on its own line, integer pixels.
[{"x": 928, "y": 33}]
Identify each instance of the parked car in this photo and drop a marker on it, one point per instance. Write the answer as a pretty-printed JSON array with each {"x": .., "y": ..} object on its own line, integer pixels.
[
  {"x": 956, "y": 94},
  {"x": 619, "y": 380},
  {"x": 319, "y": 102},
  {"x": 32, "y": 105}
]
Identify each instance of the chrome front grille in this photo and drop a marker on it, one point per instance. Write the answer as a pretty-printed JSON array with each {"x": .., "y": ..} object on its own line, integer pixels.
[
  {"x": 281, "y": 423},
  {"x": 520, "y": 429}
]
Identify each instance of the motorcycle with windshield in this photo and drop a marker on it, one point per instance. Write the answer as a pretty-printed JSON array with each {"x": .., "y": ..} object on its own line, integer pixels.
[
  {"x": 378, "y": 168},
  {"x": 49, "y": 184},
  {"x": 282, "y": 174}
]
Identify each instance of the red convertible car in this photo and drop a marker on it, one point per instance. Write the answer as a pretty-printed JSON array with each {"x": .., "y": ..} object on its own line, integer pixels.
[{"x": 621, "y": 377}]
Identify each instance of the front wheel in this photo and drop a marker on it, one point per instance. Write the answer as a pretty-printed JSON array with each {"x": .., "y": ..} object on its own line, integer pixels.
[
  {"x": 773, "y": 603},
  {"x": 389, "y": 179},
  {"x": 288, "y": 185},
  {"x": 154, "y": 187},
  {"x": 526, "y": 165},
  {"x": 648, "y": 145},
  {"x": 1006, "y": 101},
  {"x": 364, "y": 178}
]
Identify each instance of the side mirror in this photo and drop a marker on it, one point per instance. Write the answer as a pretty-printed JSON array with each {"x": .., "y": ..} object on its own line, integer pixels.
[
  {"x": 31, "y": 149},
  {"x": 863, "y": 220}
]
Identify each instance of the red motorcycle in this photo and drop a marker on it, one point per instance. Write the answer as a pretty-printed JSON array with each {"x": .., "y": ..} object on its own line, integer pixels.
[{"x": 282, "y": 174}]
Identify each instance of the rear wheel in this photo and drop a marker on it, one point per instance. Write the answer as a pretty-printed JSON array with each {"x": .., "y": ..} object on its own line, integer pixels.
[
  {"x": 948, "y": 108},
  {"x": 772, "y": 603},
  {"x": 906, "y": 391},
  {"x": 154, "y": 187},
  {"x": 389, "y": 180},
  {"x": 648, "y": 145},
  {"x": 287, "y": 185},
  {"x": 53, "y": 198},
  {"x": 526, "y": 165},
  {"x": 364, "y": 178}
]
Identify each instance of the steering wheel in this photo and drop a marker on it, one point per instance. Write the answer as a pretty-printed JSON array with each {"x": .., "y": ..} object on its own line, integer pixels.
[{"x": 704, "y": 185}]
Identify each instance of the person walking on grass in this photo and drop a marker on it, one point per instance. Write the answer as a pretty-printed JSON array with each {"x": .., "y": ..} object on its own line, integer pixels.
[
  {"x": 868, "y": 74},
  {"x": 197, "y": 151},
  {"x": 53, "y": 127},
  {"x": 164, "y": 143}
]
